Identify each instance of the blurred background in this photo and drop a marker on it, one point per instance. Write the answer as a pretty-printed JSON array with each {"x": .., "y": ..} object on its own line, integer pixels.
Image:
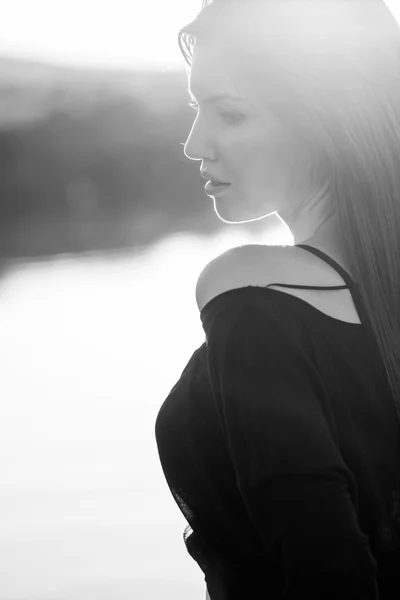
[{"x": 104, "y": 229}]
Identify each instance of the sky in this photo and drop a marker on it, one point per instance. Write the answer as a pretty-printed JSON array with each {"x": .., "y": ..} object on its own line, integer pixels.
[{"x": 109, "y": 33}]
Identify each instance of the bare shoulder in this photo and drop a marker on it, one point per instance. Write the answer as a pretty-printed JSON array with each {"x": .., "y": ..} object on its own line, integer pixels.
[
  {"x": 250, "y": 264},
  {"x": 259, "y": 265}
]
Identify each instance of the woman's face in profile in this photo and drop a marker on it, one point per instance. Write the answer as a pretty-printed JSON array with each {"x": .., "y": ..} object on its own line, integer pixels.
[{"x": 267, "y": 166}]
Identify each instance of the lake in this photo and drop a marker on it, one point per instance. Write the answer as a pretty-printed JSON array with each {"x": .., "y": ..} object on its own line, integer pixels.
[{"x": 90, "y": 348}]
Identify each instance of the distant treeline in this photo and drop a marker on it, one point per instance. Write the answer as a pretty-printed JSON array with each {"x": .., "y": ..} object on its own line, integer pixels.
[{"x": 94, "y": 155}]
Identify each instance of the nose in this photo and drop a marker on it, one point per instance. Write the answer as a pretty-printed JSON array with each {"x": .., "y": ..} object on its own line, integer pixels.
[
  {"x": 187, "y": 148},
  {"x": 193, "y": 148}
]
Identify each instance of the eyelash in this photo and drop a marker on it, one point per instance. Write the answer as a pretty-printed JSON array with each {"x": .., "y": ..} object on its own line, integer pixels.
[{"x": 195, "y": 105}]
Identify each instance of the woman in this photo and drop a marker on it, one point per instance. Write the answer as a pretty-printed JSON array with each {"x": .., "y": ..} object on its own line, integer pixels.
[{"x": 280, "y": 442}]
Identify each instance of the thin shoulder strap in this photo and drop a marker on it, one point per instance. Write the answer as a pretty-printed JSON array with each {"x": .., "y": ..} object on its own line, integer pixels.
[
  {"x": 350, "y": 283},
  {"x": 344, "y": 274}
]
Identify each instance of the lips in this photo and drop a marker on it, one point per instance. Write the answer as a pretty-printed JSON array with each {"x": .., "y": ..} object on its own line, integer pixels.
[
  {"x": 211, "y": 177},
  {"x": 212, "y": 185},
  {"x": 218, "y": 182}
]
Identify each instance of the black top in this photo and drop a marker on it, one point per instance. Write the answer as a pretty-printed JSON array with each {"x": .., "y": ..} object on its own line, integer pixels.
[{"x": 280, "y": 445}]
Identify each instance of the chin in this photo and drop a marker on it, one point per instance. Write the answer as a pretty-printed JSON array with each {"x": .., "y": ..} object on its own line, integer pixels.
[{"x": 232, "y": 213}]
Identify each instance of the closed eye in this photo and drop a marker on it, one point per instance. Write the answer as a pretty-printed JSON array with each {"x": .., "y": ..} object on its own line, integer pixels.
[
  {"x": 229, "y": 116},
  {"x": 194, "y": 104}
]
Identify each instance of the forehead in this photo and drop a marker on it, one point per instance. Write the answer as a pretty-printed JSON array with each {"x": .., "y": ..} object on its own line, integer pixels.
[{"x": 209, "y": 73}]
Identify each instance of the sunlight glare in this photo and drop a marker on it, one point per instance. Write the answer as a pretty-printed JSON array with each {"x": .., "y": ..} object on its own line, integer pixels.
[{"x": 111, "y": 33}]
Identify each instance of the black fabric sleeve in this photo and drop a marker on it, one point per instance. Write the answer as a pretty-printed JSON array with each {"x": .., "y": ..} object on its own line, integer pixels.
[{"x": 280, "y": 431}]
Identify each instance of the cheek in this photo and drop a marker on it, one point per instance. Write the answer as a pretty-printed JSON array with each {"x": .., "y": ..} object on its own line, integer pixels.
[
  {"x": 260, "y": 154},
  {"x": 267, "y": 158},
  {"x": 274, "y": 154}
]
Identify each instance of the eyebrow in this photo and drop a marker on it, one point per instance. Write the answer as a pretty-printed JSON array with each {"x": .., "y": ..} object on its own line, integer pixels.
[{"x": 219, "y": 97}]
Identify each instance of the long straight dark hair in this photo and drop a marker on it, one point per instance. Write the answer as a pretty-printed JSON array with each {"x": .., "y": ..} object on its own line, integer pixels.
[{"x": 331, "y": 70}]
